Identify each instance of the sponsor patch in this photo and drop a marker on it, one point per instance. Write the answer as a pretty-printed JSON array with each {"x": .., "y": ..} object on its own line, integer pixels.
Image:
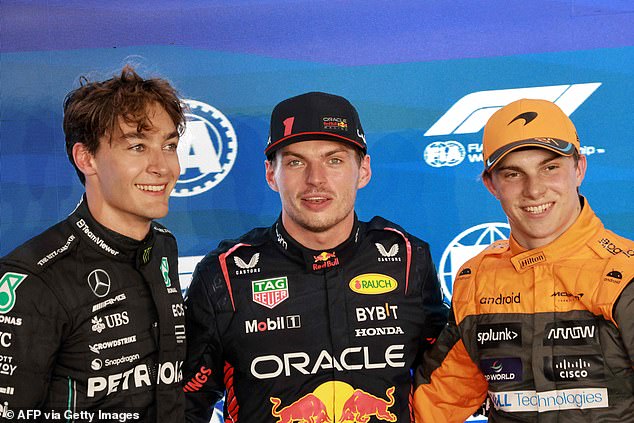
[
  {"x": 573, "y": 332},
  {"x": 573, "y": 367},
  {"x": 508, "y": 369},
  {"x": 99, "y": 282},
  {"x": 566, "y": 399},
  {"x": 334, "y": 123},
  {"x": 270, "y": 292},
  {"x": 271, "y": 324},
  {"x": 373, "y": 284},
  {"x": 8, "y": 284},
  {"x": 499, "y": 335},
  {"x": 165, "y": 271}
]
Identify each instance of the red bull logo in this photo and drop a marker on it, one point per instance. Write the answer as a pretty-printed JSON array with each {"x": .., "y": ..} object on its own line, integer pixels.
[
  {"x": 362, "y": 405},
  {"x": 307, "y": 409},
  {"x": 339, "y": 402},
  {"x": 324, "y": 260}
]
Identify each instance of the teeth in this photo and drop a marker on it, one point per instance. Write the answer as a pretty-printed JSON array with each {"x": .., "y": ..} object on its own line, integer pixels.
[
  {"x": 153, "y": 188},
  {"x": 538, "y": 209}
]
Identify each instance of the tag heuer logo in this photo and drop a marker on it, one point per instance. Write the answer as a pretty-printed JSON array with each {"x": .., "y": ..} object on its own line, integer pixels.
[
  {"x": 270, "y": 292},
  {"x": 8, "y": 284}
]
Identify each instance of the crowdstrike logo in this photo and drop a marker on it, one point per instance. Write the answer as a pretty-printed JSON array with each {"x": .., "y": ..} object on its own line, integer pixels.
[
  {"x": 207, "y": 150},
  {"x": 463, "y": 247},
  {"x": 469, "y": 115}
]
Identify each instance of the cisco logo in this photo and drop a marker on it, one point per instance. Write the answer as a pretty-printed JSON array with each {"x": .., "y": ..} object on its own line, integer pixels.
[
  {"x": 469, "y": 115},
  {"x": 207, "y": 150},
  {"x": 465, "y": 246}
]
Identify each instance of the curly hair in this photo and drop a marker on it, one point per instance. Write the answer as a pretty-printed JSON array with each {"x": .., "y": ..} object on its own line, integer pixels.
[{"x": 92, "y": 110}]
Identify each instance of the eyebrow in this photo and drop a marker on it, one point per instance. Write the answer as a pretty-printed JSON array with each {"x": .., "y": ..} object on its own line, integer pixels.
[
  {"x": 326, "y": 154},
  {"x": 518, "y": 169},
  {"x": 141, "y": 135}
]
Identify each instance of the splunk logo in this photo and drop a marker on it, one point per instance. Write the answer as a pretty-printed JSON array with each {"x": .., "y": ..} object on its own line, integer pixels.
[
  {"x": 469, "y": 115},
  {"x": 207, "y": 150}
]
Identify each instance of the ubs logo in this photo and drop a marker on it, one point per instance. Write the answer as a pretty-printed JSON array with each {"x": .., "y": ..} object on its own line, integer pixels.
[{"x": 99, "y": 282}]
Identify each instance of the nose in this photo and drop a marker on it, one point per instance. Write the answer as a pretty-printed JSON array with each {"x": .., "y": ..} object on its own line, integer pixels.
[
  {"x": 157, "y": 162},
  {"x": 315, "y": 174},
  {"x": 534, "y": 187}
]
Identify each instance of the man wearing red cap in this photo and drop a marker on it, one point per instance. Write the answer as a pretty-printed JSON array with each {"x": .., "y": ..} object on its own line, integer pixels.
[
  {"x": 320, "y": 317},
  {"x": 541, "y": 322}
]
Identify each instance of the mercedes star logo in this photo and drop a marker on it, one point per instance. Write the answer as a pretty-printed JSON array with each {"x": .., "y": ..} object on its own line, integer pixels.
[{"x": 99, "y": 282}]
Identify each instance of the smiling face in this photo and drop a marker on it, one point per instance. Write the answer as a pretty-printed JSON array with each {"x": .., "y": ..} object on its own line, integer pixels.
[
  {"x": 537, "y": 189},
  {"x": 130, "y": 177},
  {"x": 318, "y": 182}
]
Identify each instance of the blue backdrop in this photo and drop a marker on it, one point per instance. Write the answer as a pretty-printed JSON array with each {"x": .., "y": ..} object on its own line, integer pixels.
[{"x": 424, "y": 78}]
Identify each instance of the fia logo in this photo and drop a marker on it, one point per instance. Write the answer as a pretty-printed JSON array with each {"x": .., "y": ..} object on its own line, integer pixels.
[{"x": 206, "y": 151}]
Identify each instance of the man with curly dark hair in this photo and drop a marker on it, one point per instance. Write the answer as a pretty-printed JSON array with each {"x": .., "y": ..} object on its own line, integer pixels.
[{"x": 91, "y": 314}]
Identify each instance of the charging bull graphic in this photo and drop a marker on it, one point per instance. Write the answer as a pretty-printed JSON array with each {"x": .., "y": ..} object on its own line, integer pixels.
[
  {"x": 362, "y": 405},
  {"x": 307, "y": 409}
]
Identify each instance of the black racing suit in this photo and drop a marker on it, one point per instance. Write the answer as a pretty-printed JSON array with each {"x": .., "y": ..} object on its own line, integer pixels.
[
  {"x": 294, "y": 334},
  {"x": 92, "y": 322}
]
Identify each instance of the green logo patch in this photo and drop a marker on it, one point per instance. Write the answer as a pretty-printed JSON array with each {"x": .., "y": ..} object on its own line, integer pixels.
[
  {"x": 8, "y": 284},
  {"x": 165, "y": 270}
]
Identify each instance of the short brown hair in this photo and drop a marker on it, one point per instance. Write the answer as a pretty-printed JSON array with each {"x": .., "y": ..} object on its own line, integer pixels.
[{"x": 91, "y": 111}]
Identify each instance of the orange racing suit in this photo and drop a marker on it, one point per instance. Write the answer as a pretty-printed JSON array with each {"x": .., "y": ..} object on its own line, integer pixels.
[{"x": 547, "y": 333}]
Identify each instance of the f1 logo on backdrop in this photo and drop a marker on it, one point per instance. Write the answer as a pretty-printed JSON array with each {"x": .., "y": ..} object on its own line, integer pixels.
[
  {"x": 469, "y": 115},
  {"x": 207, "y": 150}
]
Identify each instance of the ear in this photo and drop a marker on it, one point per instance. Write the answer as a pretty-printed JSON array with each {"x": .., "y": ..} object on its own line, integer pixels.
[
  {"x": 365, "y": 172},
  {"x": 84, "y": 160},
  {"x": 487, "y": 179},
  {"x": 580, "y": 172},
  {"x": 270, "y": 175}
]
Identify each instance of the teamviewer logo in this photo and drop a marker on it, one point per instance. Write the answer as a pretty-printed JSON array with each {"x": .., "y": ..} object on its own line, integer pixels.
[{"x": 469, "y": 115}]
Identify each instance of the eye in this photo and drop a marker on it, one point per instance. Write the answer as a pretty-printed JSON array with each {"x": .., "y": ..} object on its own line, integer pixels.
[
  {"x": 173, "y": 146},
  {"x": 294, "y": 162},
  {"x": 335, "y": 160},
  {"x": 137, "y": 147}
]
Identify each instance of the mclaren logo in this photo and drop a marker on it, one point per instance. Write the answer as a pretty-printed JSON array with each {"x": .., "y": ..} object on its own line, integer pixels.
[{"x": 528, "y": 117}]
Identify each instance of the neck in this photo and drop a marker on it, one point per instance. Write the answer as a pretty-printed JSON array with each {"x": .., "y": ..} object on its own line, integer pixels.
[
  {"x": 136, "y": 229},
  {"x": 323, "y": 240}
]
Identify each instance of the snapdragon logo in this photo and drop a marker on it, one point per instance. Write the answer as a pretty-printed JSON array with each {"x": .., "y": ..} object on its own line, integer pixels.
[
  {"x": 466, "y": 245},
  {"x": 207, "y": 150},
  {"x": 469, "y": 115}
]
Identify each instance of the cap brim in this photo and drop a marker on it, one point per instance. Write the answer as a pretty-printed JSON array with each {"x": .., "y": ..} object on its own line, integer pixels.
[
  {"x": 311, "y": 136},
  {"x": 562, "y": 147}
]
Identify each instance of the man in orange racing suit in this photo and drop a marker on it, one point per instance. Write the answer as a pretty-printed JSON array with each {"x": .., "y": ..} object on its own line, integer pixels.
[
  {"x": 319, "y": 317},
  {"x": 542, "y": 322}
]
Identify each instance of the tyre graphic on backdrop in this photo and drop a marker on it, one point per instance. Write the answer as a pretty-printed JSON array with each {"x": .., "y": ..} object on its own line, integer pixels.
[{"x": 207, "y": 150}]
